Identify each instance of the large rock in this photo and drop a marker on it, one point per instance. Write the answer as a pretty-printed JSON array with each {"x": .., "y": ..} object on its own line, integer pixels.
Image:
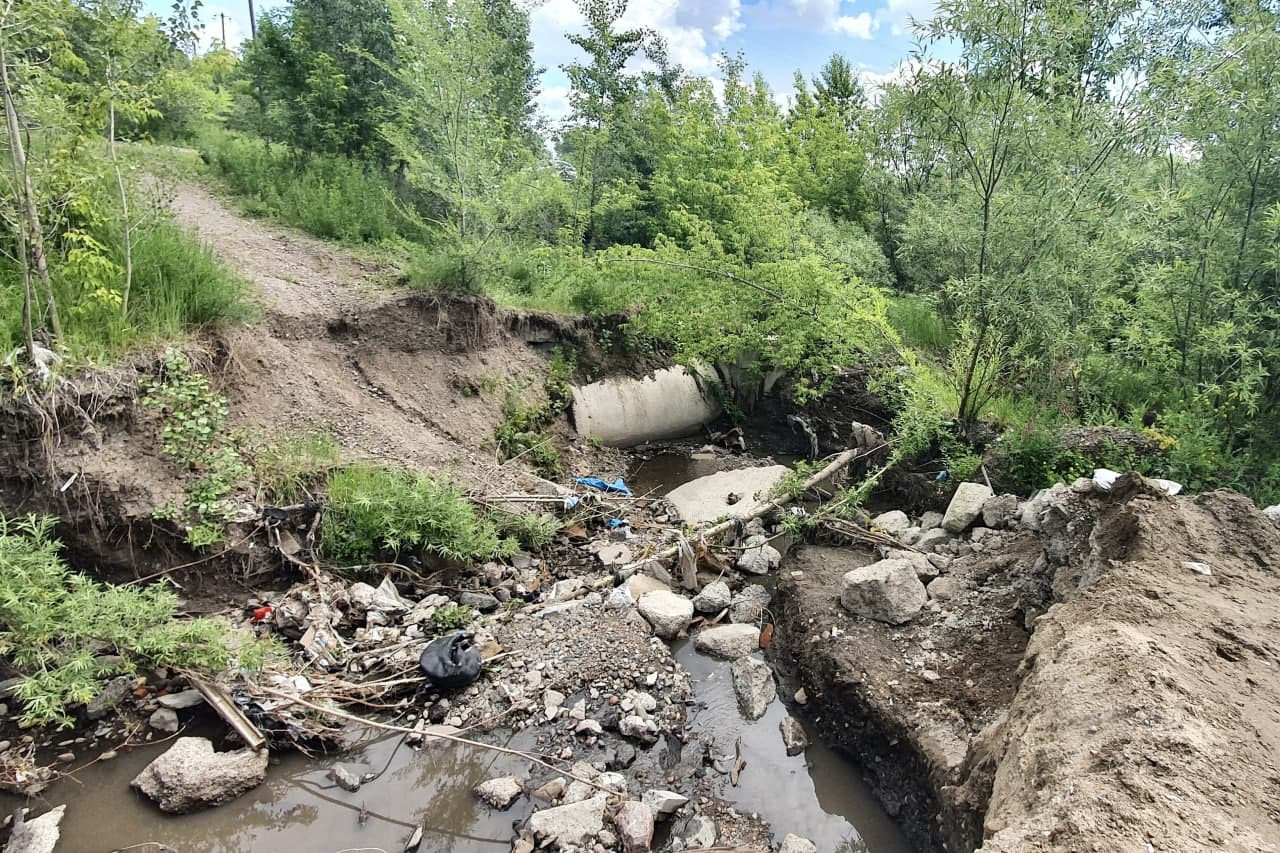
[
  {"x": 930, "y": 520},
  {"x": 887, "y": 591},
  {"x": 714, "y": 597},
  {"x": 1273, "y": 514},
  {"x": 663, "y": 803},
  {"x": 1000, "y": 511},
  {"x": 36, "y": 836},
  {"x": 793, "y": 737},
  {"x": 728, "y": 641},
  {"x": 753, "y": 683},
  {"x": 501, "y": 792},
  {"x": 966, "y": 506},
  {"x": 667, "y": 612},
  {"x": 708, "y": 498},
  {"x": 699, "y": 831},
  {"x": 639, "y": 585},
  {"x": 894, "y": 522},
  {"x": 749, "y": 605},
  {"x": 112, "y": 694},
  {"x": 634, "y": 822},
  {"x": 576, "y": 823},
  {"x": 191, "y": 775},
  {"x": 759, "y": 560},
  {"x": 796, "y": 844}
]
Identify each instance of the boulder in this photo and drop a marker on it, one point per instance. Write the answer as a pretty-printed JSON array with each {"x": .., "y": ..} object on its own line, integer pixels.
[
  {"x": 36, "y": 836},
  {"x": 999, "y": 511},
  {"x": 759, "y": 560},
  {"x": 1273, "y": 514},
  {"x": 344, "y": 778},
  {"x": 638, "y": 585},
  {"x": 932, "y": 538},
  {"x": 663, "y": 803},
  {"x": 708, "y": 498},
  {"x": 966, "y": 505},
  {"x": 749, "y": 605},
  {"x": 481, "y": 601},
  {"x": 619, "y": 598},
  {"x": 634, "y": 822},
  {"x": 191, "y": 775},
  {"x": 575, "y": 823},
  {"x": 667, "y": 612},
  {"x": 164, "y": 720},
  {"x": 728, "y": 641},
  {"x": 930, "y": 520},
  {"x": 501, "y": 792},
  {"x": 112, "y": 694},
  {"x": 699, "y": 831},
  {"x": 796, "y": 844},
  {"x": 753, "y": 684},
  {"x": 793, "y": 736},
  {"x": 894, "y": 522},
  {"x": 714, "y": 597},
  {"x": 181, "y": 701},
  {"x": 887, "y": 591},
  {"x": 943, "y": 589}
]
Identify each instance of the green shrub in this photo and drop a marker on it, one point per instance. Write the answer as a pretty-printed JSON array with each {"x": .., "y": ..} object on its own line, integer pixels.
[
  {"x": 56, "y": 625},
  {"x": 1031, "y": 456},
  {"x": 376, "y": 511},
  {"x": 326, "y": 195},
  {"x": 531, "y": 530},
  {"x": 452, "y": 617},
  {"x": 195, "y": 434}
]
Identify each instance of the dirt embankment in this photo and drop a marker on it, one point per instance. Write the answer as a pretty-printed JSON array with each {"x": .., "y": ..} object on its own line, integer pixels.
[
  {"x": 402, "y": 377},
  {"x": 1084, "y": 689}
]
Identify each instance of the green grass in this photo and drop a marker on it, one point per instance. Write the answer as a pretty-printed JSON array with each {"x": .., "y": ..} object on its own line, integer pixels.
[
  {"x": 289, "y": 468},
  {"x": 917, "y": 320},
  {"x": 328, "y": 196},
  {"x": 178, "y": 285}
]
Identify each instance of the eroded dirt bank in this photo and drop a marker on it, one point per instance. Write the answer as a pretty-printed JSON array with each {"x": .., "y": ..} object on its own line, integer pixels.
[{"x": 1075, "y": 687}]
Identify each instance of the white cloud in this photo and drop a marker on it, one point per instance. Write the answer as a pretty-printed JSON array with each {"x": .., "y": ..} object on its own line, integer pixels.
[
  {"x": 553, "y": 101},
  {"x": 899, "y": 14},
  {"x": 859, "y": 25},
  {"x": 692, "y": 29}
]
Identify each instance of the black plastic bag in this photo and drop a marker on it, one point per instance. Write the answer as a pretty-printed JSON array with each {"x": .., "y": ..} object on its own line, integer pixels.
[{"x": 452, "y": 661}]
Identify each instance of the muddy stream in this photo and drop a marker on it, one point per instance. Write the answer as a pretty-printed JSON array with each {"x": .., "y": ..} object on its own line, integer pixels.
[{"x": 818, "y": 794}]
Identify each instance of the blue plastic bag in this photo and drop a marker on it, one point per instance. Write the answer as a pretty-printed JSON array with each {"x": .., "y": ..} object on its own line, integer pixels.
[{"x": 617, "y": 487}]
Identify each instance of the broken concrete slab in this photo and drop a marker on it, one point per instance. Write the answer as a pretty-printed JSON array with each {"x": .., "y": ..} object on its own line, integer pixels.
[
  {"x": 726, "y": 494},
  {"x": 191, "y": 775}
]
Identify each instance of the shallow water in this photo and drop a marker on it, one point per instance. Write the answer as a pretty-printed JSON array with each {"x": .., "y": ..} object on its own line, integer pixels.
[
  {"x": 298, "y": 808},
  {"x": 818, "y": 794}
]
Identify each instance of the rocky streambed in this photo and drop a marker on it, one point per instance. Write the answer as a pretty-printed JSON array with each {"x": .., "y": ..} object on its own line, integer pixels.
[{"x": 999, "y": 676}]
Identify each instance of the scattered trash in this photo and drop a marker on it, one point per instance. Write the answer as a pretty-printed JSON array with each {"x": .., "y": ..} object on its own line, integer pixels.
[
  {"x": 452, "y": 661},
  {"x": 261, "y": 613},
  {"x": 617, "y": 487},
  {"x": 1198, "y": 568}
]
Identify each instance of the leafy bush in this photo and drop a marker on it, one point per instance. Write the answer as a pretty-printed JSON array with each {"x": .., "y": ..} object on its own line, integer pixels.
[
  {"x": 55, "y": 625},
  {"x": 377, "y": 511},
  {"x": 917, "y": 320},
  {"x": 195, "y": 434}
]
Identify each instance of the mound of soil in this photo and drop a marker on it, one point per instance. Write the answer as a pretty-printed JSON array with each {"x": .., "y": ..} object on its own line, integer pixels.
[{"x": 1085, "y": 689}]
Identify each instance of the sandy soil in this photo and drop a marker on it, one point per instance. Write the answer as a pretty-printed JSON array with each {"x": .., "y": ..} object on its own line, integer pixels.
[{"x": 1141, "y": 714}]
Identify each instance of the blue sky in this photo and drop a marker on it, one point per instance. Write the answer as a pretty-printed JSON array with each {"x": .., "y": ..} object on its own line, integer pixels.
[{"x": 777, "y": 36}]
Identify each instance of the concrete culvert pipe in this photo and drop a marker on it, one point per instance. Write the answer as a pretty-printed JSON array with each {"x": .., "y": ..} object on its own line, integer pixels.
[{"x": 624, "y": 411}]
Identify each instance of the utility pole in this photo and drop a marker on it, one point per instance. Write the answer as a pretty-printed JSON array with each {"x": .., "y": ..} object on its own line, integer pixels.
[
  {"x": 224, "y": 30},
  {"x": 253, "y": 22}
]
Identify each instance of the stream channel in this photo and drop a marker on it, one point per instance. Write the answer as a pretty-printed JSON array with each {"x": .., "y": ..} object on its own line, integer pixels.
[{"x": 818, "y": 794}]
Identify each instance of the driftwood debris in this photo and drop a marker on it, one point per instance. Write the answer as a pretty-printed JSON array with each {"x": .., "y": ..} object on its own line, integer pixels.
[
  {"x": 227, "y": 709},
  {"x": 717, "y": 530}
]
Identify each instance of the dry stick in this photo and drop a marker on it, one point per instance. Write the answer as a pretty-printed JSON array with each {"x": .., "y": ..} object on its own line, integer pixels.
[
  {"x": 352, "y": 718},
  {"x": 840, "y": 462}
]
